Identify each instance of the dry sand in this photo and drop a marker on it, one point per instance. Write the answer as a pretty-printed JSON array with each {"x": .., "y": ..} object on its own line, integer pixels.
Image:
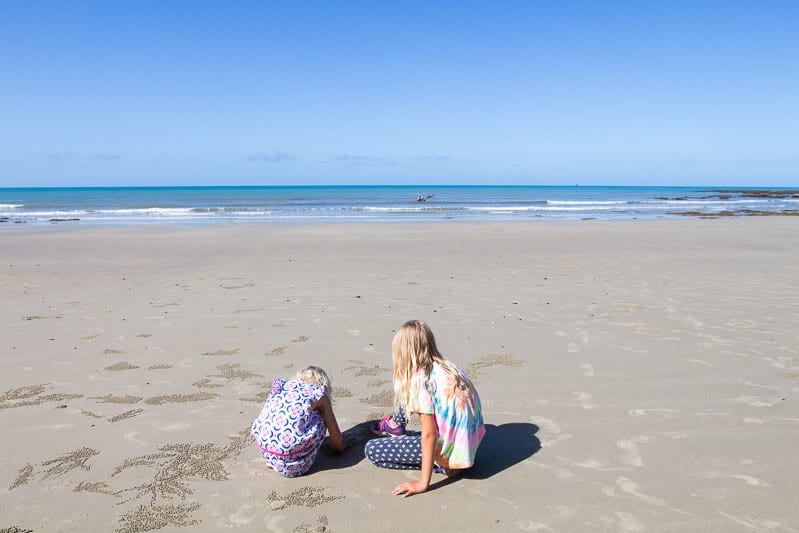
[{"x": 635, "y": 375}]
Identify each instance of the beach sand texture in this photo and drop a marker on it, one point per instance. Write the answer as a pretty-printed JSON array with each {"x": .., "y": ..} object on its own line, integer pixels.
[{"x": 635, "y": 375}]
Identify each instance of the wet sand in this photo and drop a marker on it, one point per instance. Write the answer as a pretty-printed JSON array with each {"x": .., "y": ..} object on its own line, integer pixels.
[{"x": 635, "y": 375}]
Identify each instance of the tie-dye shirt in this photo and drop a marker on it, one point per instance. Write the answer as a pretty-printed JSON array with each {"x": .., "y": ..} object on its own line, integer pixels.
[{"x": 457, "y": 413}]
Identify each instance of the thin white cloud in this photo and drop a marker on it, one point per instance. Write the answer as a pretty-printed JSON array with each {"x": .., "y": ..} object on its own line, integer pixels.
[{"x": 274, "y": 156}]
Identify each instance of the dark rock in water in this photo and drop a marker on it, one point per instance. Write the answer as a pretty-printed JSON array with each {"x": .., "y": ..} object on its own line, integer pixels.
[
  {"x": 761, "y": 193},
  {"x": 688, "y": 213},
  {"x": 739, "y": 213},
  {"x": 757, "y": 213},
  {"x": 63, "y": 219},
  {"x": 19, "y": 222},
  {"x": 3, "y": 219},
  {"x": 716, "y": 197}
]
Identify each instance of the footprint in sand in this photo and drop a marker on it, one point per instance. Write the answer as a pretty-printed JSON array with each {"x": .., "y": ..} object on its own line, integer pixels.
[
  {"x": 666, "y": 413},
  {"x": 550, "y": 433},
  {"x": 276, "y": 351},
  {"x": 588, "y": 370},
  {"x": 749, "y": 480},
  {"x": 757, "y": 401},
  {"x": 633, "y": 489},
  {"x": 758, "y": 386},
  {"x": 301, "y": 338},
  {"x": 631, "y": 454},
  {"x": 754, "y": 524},
  {"x": 628, "y": 522},
  {"x": 715, "y": 494},
  {"x": 701, "y": 362},
  {"x": 593, "y": 464},
  {"x": 585, "y": 400}
]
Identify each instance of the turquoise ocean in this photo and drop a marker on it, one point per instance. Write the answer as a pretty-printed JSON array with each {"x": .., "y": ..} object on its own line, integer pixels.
[{"x": 311, "y": 204}]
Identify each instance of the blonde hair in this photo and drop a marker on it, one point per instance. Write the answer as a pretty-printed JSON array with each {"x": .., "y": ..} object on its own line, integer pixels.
[
  {"x": 413, "y": 349},
  {"x": 316, "y": 376}
]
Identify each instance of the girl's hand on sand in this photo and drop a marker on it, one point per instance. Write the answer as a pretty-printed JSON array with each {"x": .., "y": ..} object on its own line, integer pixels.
[{"x": 411, "y": 487}]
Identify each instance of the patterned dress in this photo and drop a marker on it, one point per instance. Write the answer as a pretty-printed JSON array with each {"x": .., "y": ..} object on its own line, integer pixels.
[
  {"x": 289, "y": 430},
  {"x": 457, "y": 412}
]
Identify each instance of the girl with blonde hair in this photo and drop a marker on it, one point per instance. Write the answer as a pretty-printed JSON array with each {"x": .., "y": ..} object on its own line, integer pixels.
[
  {"x": 448, "y": 406},
  {"x": 293, "y": 422}
]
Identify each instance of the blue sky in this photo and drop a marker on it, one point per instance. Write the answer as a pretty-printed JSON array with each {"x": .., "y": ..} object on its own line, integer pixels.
[{"x": 239, "y": 93}]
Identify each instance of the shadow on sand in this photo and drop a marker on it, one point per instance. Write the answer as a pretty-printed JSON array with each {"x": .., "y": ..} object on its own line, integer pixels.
[
  {"x": 502, "y": 447},
  {"x": 356, "y": 437}
]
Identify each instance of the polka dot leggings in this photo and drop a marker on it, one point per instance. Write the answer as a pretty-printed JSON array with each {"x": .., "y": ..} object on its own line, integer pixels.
[{"x": 399, "y": 453}]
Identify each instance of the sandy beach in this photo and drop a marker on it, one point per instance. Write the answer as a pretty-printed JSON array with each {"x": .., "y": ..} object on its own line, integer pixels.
[{"x": 635, "y": 375}]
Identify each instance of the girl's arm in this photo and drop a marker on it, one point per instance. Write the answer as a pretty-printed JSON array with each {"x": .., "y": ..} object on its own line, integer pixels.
[
  {"x": 428, "y": 447},
  {"x": 326, "y": 409}
]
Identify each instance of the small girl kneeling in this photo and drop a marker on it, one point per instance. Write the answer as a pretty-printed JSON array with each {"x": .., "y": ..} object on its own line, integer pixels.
[{"x": 294, "y": 420}]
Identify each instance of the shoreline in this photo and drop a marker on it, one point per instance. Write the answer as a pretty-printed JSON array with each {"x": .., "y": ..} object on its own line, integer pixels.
[
  {"x": 287, "y": 205},
  {"x": 635, "y": 374}
]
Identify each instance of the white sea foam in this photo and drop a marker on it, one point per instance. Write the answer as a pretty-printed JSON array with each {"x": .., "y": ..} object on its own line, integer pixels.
[
  {"x": 586, "y": 202},
  {"x": 41, "y": 214},
  {"x": 714, "y": 201},
  {"x": 164, "y": 211},
  {"x": 415, "y": 209},
  {"x": 502, "y": 208}
]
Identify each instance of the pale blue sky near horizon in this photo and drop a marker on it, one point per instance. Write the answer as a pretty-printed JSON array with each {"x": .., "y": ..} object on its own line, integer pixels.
[{"x": 531, "y": 93}]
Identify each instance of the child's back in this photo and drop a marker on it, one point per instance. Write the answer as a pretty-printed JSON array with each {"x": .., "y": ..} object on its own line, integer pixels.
[
  {"x": 455, "y": 405},
  {"x": 289, "y": 429}
]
